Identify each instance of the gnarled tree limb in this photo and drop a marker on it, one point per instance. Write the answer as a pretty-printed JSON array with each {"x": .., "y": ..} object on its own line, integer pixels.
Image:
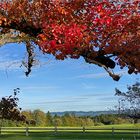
[
  {"x": 10, "y": 37},
  {"x": 110, "y": 72}
]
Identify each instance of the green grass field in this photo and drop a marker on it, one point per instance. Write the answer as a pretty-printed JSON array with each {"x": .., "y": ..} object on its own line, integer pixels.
[
  {"x": 74, "y": 135},
  {"x": 69, "y": 136}
]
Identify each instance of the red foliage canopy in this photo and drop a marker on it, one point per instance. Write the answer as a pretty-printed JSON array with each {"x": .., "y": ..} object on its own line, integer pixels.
[{"x": 105, "y": 32}]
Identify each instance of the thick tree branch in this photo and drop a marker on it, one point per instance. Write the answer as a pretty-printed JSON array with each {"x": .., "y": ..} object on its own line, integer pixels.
[
  {"x": 114, "y": 76},
  {"x": 22, "y": 27},
  {"x": 12, "y": 38}
]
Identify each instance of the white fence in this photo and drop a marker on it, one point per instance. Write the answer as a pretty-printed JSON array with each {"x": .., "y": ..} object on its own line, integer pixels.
[{"x": 28, "y": 130}]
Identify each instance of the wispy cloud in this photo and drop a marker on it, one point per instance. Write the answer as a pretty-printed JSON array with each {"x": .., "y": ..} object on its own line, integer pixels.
[
  {"x": 80, "y": 98},
  {"x": 99, "y": 75},
  {"x": 10, "y": 64},
  {"x": 9, "y": 60},
  {"x": 95, "y": 95},
  {"x": 40, "y": 87},
  {"x": 67, "y": 101},
  {"x": 108, "y": 99},
  {"x": 55, "y": 102},
  {"x": 88, "y": 86}
]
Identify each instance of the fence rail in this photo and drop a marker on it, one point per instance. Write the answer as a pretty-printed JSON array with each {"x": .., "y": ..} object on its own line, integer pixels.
[{"x": 56, "y": 129}]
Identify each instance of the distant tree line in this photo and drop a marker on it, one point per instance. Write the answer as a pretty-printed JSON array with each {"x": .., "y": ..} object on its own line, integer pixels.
[
  {"x": 128, "y": 112},
  {"x": 39, "y": 118}
]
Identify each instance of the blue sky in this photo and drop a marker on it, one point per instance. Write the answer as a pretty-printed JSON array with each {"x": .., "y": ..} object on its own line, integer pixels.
[{"x": 70, "y": 85}]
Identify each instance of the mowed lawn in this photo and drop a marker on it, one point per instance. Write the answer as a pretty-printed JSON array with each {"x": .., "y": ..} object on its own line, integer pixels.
[{"x": 71, "y": 135}]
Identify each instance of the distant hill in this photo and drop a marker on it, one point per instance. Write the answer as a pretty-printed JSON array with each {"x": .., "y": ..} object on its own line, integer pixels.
[{"x": 83, "y": 113}]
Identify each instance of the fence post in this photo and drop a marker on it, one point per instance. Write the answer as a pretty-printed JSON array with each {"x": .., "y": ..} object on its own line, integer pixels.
[
  {"x": 55, "y": 129},
  {"x": 134, "y": 138},
  {"x": 1, "y": 124},
  {"x": 27, "y": 131},
  {"x": 113, "y": 131},
  {"x": 83, "y": 129}
]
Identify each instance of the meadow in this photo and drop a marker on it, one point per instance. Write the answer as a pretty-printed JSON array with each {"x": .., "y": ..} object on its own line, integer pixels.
[
  {"x": 70, "y": 136},
  {"x": 75, "y": 133}
]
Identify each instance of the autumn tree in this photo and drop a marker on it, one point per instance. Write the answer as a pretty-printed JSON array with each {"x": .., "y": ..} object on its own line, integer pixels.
[
  {"x": 105, "y": 32},
  {"x": 27, "y": 114},
  {"x": 9, "y": 109},
  {"x": 29, "y": 118},
  {"x": 39, "y": 117},
  {"x": 57, "y": 121},
  {"x": 49, "y": 119},
  {"x": 129, "y": 102}
]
